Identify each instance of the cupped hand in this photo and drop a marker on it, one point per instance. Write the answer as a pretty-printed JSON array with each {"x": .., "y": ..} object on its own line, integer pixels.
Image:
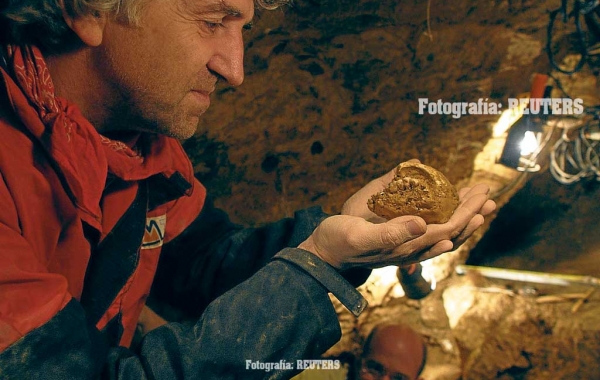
[
  {"x": 346, "y": 241},
  {"x": 488, "y": 206},
  {"x": 440, "y": 238}
]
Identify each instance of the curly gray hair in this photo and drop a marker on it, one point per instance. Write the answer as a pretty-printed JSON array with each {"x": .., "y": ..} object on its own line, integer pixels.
[{"x": 41, "y": 22}]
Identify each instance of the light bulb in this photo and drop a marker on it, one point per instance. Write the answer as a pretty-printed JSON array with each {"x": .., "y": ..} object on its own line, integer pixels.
[{"x": 529, "y": 144}]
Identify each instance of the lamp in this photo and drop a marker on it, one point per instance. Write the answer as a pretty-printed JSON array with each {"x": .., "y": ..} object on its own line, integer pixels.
[
  {"x": 524, "y": 136},
  {"x": 523, "y": 139}
]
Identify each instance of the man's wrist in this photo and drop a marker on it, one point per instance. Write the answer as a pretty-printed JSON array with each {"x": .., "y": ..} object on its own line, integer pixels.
[
  {"x": 310, "y": 246},
  {"x": 325, "y": 274}
]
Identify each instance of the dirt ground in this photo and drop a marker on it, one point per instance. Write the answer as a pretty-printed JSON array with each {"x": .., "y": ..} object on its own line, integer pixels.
[
  {"x": 549, "y": 227},
  {"x": 483, "y": 328}
]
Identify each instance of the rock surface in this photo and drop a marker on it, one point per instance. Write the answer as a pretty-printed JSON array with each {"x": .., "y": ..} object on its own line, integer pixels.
[{"x": 331, "y": 101}]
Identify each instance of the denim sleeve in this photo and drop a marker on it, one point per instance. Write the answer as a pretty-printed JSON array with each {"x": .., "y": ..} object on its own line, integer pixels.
[
  {"x": 279, "y": 315},
  {"x": 213, "y": 255},
  {"x": 256, "y": 300}
]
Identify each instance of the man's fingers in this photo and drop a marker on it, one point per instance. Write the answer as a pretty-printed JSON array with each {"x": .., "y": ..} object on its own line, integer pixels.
[
  {"x": 457, "y": 223},
  {"x": 462, "y": 192},
  {"x": 474, "y": 224},
  {"x": 400, "y": 230},
  {"x": 488, "y": 207},
  {"x": 468, "y": 192},
  {"x": 467, "y": 210},
  {"x": 389, "y": 235},
  {"x": 439, "y": 248},
  {"x": 418, "y": 253}
]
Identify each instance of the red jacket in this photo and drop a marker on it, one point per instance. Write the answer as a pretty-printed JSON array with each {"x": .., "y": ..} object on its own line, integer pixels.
[
  {"x": 46, "y": 249},
  {"x": 89, "y": 227}
]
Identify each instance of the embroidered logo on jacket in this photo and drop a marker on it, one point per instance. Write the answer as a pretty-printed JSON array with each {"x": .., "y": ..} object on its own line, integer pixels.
[{"x": 154, "y": 232}]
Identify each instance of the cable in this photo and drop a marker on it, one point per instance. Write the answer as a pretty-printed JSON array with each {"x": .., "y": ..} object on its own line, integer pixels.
[
  {"x": 582, "y": 49},
  {"x": 583, "y": 37},
  {"x": 573, "y": 159}
]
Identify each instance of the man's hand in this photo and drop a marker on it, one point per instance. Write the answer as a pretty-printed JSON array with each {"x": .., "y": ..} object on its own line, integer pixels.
[
  {"x": 358, "y": 237},
  {"x": 356, "y": 205},
  {"x": 346, "y": 241}
]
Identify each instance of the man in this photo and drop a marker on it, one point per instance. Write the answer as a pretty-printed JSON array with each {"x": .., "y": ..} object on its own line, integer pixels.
[
  {"x": 95, "y": 188},
  {"x": 390, "y": 352},
  {"x": 394, "y": 352}
]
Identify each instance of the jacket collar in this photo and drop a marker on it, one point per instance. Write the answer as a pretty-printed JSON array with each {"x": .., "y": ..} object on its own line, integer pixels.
[{"x": 82, "y": 156}]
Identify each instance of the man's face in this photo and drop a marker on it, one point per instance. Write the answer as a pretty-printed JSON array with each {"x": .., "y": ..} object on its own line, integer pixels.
[
  {"x": 158, "y": 76},
  {"x": 373, "y": 369},
  {"x": 391, "y": 358}
]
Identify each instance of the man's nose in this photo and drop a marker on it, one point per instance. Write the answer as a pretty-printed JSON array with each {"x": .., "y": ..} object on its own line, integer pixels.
[{"x": 228, "y": 60}]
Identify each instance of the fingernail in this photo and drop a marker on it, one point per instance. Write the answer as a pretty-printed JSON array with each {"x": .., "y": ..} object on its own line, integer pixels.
[{"x": 415, "y": 228}]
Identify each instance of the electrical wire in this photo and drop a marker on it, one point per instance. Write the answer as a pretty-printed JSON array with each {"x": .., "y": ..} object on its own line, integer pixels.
[{"x": 586, "y": 9}]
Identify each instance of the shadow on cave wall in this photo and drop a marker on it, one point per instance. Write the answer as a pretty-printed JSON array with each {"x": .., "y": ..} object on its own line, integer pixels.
[{"x": 546, "y": 226}]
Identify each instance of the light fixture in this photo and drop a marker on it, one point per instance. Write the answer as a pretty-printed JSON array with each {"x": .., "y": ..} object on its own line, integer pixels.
[
  {"x": 522, "y": 143},
  {"x": 525, "y": 135},
  {"x": 530, "y": 143}
]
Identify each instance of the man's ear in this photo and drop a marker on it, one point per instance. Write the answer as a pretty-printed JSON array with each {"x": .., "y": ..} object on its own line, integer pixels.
[{"x": 89, "y": 28}]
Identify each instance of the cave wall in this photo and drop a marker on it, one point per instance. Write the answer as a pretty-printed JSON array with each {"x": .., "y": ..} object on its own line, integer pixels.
[
  {"x": 330, "y": 98},
  {"x": 547, "y": 227},
  {"x": 330, "y": 101}
]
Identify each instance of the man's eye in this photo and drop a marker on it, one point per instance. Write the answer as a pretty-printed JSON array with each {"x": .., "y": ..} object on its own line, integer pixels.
[{"x": 212, "y": 26}]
